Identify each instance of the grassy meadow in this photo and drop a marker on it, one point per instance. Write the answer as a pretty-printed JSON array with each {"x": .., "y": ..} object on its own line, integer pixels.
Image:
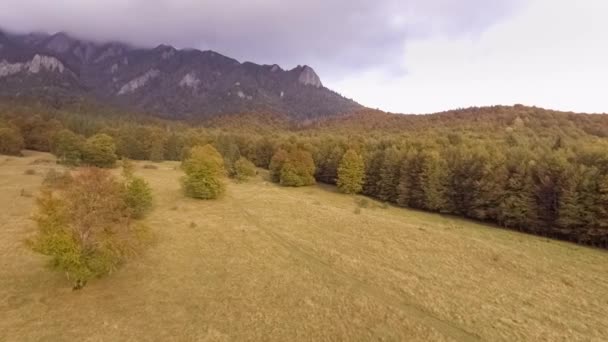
[{"x": 266, "y": 263}]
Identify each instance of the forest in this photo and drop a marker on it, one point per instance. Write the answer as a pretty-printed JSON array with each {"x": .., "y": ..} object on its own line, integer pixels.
[{"x": 523, "y": 168}]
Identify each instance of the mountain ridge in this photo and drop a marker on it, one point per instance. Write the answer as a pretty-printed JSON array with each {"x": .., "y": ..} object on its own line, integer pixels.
[{"x": 169, "y": 82}]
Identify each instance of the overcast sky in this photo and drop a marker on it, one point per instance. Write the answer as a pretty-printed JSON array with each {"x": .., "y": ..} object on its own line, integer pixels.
[{"x": 409, "y": 56}]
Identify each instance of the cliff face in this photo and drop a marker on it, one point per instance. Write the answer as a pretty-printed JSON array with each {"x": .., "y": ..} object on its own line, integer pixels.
[{"x": 164, "y": 81}]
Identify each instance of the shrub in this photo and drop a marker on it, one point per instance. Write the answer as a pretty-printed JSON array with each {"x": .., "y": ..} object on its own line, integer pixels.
[
  {"x": 11, "y": 141},
  {"x": 127, "y": 167},
  {"x": 86, "y": 228},
  {"x": 29, "y": 172},
  {"x": 42, "y": 161},
  {"x": 363, "y": 202},
  {"x": 100, "y": 151},
  {"x": 244, "y": 169},
  {"x": 204, "y": 169},
  {"x": 138, "y": 197},
  {"x": 57, "y": 180}
]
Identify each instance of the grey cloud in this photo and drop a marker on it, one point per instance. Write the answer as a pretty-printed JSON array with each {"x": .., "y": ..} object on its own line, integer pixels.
[{"x": 332, "y": 35}]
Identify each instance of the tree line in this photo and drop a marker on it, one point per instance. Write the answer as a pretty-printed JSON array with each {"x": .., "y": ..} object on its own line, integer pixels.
[{"x": 535, "y": 171}]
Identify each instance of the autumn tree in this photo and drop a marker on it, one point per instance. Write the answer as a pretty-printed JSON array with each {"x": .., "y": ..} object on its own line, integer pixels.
[
  {"x": 86, "y": 228},
  {"x": 204, "y": 169},
  {"x": 276, "y": 164},
  {"x": 351, "y": 173},
  {"x": 298, "y": 169}
]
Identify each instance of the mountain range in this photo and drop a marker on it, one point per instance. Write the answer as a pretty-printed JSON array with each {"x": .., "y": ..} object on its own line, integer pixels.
[{"x": 164, "y": 81}]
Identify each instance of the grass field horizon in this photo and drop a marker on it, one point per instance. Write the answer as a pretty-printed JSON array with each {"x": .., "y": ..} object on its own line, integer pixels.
[{"x": 268, "y": 263}]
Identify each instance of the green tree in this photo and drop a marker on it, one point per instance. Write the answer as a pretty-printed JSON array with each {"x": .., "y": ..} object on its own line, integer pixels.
[
  {"x": 389, "y": 175},
  {"x": 68, "y": 147},
  {"x": 100, "y": 151},
  {"x": 157, "y": 151},
  {"x": 351, "y": 173},
  {"x": 244, "y": 169},
  {"x": 422, "y": 179},
  {"x": 549, "y": 179},
  {"x": 204, "y": 169},
  {"x": 327, "y": 160},
  {"x": 373, "y": 164},
  {"x": 515, "y": 207},
  {"x": 138, "y": 196},
  {"x": 11, "y": 141}
]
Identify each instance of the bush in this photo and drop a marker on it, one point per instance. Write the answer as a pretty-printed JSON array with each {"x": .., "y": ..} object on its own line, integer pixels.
[
  {"x": 11, "y": 141},
  {"x": 100, "y": 151},
  {"x": 363, "y": 202},
  {"x": 86, "y": 228},
  {"x": 204, "y": 169},
  {"x": 57, "y": 180},
  {"x": 138, "y": 197},
  {"x": 29, "y": 172},
  {"x": 244, "y": 169}
]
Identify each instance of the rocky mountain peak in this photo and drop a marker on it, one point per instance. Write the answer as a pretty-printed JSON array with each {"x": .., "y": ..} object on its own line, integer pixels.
[
  {"x": 60, "y": 43},
  {"x": 173, "y": 83},
  {"x": 309, "y": 77}
]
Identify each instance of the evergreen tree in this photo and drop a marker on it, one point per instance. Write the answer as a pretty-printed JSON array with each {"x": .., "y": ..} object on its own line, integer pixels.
[
  {"x": 389, "y": 175},
  {"x": 327, "y": 160},
  {"x": 351, "y": 173},
  {"x": 433, "y": 181},
  {"x": 372, "y": 172},
  {"x": 515, "y": 208},
  {"x": 548, "y": 179}
]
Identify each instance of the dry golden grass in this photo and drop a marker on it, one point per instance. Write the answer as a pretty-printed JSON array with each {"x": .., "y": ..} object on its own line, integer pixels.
[{"x": 265, "y": 263}]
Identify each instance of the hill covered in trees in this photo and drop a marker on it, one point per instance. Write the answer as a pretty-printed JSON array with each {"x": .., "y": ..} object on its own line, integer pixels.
[{"x": 534, "y": 170}]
